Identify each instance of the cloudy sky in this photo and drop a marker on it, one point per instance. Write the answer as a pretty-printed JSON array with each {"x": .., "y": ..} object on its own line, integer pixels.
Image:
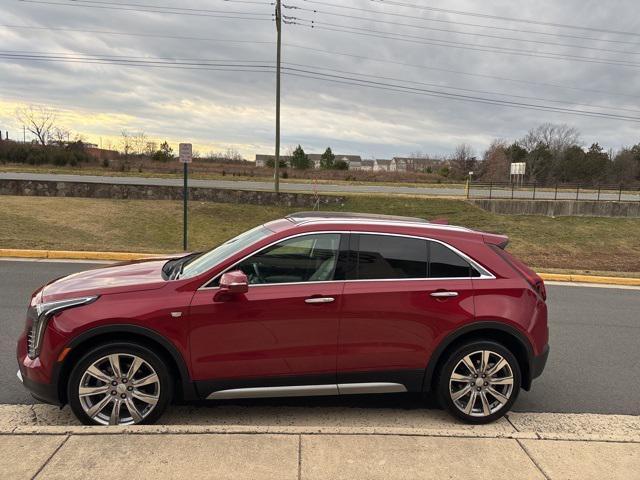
[{"x": 425, "y": 79}]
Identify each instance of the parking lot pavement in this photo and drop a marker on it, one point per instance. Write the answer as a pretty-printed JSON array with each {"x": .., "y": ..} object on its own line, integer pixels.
[{"x": 203, "y": 444}]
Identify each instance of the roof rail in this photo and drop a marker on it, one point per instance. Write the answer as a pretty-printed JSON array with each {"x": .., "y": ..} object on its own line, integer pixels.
[{"x": 300, "y": 217}]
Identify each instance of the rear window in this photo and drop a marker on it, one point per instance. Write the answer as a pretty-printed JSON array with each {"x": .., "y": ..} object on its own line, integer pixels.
[
  {"x": 380, "y": 257},
  {"x": 388, "y": 257},
  {"x": 445, "y": 263}
]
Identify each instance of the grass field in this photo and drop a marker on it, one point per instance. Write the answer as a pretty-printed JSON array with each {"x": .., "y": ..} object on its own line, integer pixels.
[{"x": 568, "y": 243}]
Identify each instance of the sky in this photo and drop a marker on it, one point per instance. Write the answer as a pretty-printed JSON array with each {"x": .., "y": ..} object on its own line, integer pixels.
[{"x": 201, "y": 71}]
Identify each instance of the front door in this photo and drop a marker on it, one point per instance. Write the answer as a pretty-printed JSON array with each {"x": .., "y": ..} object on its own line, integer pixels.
[
  {"x": 284, "y": 330},
  {"x": 396, "y": 305}
]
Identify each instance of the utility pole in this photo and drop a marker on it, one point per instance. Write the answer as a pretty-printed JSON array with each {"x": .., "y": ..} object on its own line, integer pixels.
[{"x": 276, "y": 164}]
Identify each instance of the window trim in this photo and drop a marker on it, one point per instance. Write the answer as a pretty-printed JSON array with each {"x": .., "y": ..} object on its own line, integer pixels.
[{"x": 485, "y": 274}]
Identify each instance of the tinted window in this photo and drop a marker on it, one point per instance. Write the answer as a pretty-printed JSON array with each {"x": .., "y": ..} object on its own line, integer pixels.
[
  {"x": 389, "y": 257},
  {"x": 310, "y": 258},
  {"x": 445, "y": 263}
]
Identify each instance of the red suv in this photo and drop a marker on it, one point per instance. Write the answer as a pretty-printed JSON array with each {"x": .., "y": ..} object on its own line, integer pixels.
[{"x": 312, "y": 304}]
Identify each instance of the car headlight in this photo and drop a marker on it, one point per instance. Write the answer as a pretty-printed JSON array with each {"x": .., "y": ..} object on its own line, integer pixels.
[{"x": 41, "y": 313}]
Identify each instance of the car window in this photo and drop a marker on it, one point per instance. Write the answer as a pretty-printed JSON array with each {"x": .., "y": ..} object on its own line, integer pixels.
[
  {"x": 445, "y": 263},
  {"x": 391, "y": 257},
  {"x": 213, "y": 257},
  {"x": 309, "y": 258}
]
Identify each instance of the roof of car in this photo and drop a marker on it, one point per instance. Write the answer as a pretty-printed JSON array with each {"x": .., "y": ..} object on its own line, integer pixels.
[{"x": 305, "y": 218}]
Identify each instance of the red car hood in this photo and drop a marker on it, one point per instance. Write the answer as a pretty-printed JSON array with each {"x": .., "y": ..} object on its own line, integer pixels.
[{"x": 131, "y": 277}]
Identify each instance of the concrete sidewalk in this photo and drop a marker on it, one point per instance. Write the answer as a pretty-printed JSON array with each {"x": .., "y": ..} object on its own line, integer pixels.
[{"x": 236, "y": 442}]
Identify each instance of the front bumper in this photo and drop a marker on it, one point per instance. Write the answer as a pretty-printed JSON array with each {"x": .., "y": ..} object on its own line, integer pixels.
[{"x": 43, "y": 392}]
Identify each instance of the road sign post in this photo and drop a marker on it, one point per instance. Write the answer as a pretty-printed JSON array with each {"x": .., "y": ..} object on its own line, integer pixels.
[{"x": 186, "y": 157}]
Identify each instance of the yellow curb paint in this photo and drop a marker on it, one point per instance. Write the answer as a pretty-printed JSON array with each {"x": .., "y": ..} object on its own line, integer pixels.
[
  {"x": 558, "y": 277},
  {"x": 75, "y": 255},
  {"x": 125, "y": 256}
]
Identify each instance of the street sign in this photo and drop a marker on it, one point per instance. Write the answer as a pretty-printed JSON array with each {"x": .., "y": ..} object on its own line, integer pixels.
[
  {"x": 186, "y": 153},
  {"x": 518, "y": 168}
]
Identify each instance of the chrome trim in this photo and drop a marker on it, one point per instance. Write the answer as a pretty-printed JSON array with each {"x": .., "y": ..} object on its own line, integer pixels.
[
  {"x": 44, "y": 312},
  {"x": 372, "y": 387},
  {"x": 434, "y": 226},
  {"x": 19, "y": 375},
  {"x": 444, "y": 294},
  {"x": 308, "y": 390},
  {"x": 320, "y": 300},
  {"x": 484, "y": 273},
  {"x": 266, "y": 392}
]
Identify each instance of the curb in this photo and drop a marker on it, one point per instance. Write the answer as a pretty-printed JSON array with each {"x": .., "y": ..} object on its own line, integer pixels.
[
  {"x": 333, "y": 431},
  {"x": 76, "y": 255},
  {"x": 129, "y": 256},
  {"x": 558, "y": 277}
]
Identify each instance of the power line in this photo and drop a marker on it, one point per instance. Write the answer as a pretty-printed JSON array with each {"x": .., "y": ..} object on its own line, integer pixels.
[
  {"x": 458, "y": 72},
  {"x": 166, "y": 7},
  {"x": 457, "y": 32},
  {"x": 225, "y": 65},
  {"x": 509, "y": 19},
  {"x": 468, "y": 98},
  {"x": 131, "y": 34},
  {"x": 524, "y": 97},
  {"x": 267, "y": 68},
  {"x": 453, "y": 44},
  {"x": 452, "y": 22},
  {"x": 326, "y": 52},
  {"x": 243, "y": 16}
]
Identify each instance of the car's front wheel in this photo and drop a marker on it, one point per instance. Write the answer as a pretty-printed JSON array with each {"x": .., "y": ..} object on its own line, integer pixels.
[
  {"x": 479, "y": 382},
  {"x": 119, "y": 384}
]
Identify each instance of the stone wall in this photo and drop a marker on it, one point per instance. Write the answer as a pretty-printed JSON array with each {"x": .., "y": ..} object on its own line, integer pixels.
[
  {"x": 560, "y": 208},
  {"x": 41, "y": 188}
]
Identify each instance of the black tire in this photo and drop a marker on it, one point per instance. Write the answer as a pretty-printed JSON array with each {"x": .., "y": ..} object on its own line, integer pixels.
[
  {"x": 444, "y": 376},
  {"x": 165, "y": 384}
]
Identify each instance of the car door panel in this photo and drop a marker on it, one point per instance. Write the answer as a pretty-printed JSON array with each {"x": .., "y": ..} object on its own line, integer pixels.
[{"x": 394, "y": 325}]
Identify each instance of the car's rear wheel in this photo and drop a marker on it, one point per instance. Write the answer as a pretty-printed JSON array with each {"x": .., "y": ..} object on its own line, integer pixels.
[
  {"x": 119, "y": 384},
  {"x": 479, "y": 382}
]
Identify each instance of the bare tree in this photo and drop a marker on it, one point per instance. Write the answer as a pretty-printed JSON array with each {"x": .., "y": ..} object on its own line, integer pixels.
[
  {"x": 463, "y": 161},
  {"x": 40, "y": 121},
  {"x": 59, "y": 135},
  {"x": 555, "y": 137},
  {"x": 126, "y": 142},
  {"x": 495, "y": 162},
  {"x": 139, "y": 140},
  {"x": 150, "y": 148}
]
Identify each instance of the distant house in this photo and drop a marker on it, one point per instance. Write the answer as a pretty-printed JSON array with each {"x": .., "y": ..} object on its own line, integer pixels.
[
  {"x": 365, "y": 165},
  {"x": 411, "y": 164},
  {"x": 381, "y": 165}
]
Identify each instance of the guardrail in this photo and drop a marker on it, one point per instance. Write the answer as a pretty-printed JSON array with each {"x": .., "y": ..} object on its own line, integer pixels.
[{"x": 535, "y": 191}]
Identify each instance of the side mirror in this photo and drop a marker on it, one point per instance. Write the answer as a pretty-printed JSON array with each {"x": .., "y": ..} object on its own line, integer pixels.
[{"x": 234, "y": 282}]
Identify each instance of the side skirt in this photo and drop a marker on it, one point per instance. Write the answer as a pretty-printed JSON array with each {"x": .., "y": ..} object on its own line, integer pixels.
[{"x": 308, "y": 390}]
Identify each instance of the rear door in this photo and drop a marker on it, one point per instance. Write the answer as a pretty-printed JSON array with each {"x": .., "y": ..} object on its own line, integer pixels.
[{"x": 402, "y": 293}]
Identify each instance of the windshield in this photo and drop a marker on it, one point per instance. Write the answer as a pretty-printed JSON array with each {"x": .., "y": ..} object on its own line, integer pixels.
[{"x": 213, "y": 257}]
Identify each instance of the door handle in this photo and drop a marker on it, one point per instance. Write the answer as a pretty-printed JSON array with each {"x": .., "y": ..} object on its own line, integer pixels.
[
  {"x": 315, "y": 300},
  {"x": 444, "y": 294}
]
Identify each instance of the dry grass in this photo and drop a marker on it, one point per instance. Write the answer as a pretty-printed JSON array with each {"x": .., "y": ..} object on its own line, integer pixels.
[{"x": 568, "y": 243}]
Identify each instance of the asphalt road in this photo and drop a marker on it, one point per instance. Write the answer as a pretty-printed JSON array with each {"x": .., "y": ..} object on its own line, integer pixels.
[
  {"x": 287, "y": 186},
  {"x": 593, "y": 366}
]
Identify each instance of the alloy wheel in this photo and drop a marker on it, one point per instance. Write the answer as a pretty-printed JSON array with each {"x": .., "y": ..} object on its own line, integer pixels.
[
  {"x": 481, "y": 383},
  {"x": 119, "y": 389}
]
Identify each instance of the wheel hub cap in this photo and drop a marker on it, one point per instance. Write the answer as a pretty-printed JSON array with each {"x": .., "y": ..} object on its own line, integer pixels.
[
  {"x": 119, "y": 389},
  {"x": 481, "y": 383}
]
